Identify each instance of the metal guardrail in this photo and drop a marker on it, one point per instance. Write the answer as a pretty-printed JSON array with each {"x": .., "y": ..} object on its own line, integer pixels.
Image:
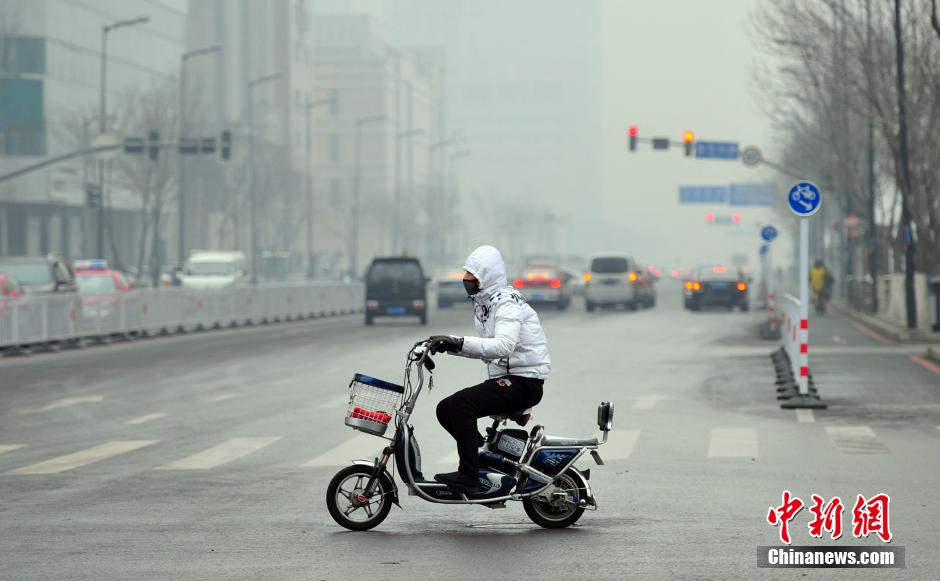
[{"x": 41, "y": 319}]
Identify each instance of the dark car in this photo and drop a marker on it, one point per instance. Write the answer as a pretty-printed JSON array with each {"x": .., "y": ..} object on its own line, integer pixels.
[
  {"x": 715, "y": 285},
  {"x": 396, "y": 287},
  {"x": 40, "y": 274}
]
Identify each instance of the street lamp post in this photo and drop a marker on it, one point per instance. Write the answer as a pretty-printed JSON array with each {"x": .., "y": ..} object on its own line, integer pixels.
[
  {"x": 354, "y": 252},
  {"x": 252, "y": 197},
  {"x": 103, "y": 114},
  {"x": 396, "y": 218},
  {"x": 181, "y": 202},
  {"x": 308, "y": 178}
]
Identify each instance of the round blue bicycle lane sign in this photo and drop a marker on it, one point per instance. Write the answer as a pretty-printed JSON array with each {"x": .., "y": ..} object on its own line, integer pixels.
[{"x": 804, "y": 199}]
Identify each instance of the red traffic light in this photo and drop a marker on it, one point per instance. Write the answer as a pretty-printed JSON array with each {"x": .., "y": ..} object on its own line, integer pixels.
[
  {"x": 736, "y": 218},
  {"x": 634, "y": 131},
  {"x": 710, "y": 217}
]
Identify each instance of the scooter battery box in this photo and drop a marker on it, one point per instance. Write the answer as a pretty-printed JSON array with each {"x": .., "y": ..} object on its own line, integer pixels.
[{"x": 511, "y": 443}]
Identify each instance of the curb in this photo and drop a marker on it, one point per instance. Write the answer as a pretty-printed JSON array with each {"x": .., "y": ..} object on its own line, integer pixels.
[
  {"x": 933, "y": 354},
  {"x": 889, "y": 330}
]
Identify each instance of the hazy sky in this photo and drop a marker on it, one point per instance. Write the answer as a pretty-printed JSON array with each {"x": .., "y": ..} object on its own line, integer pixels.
[{"x": 671, "y": 66}]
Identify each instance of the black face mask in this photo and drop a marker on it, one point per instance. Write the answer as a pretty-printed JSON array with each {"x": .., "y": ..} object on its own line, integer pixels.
[{"x": 472, "y": 287}]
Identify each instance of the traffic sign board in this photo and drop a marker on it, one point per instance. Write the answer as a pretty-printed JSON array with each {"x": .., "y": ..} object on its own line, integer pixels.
[
  {"x": 717, "y": 149},
  {"x": 750, "y": 195},
  {"x": 768, "y": 233},
  {"x": 751, "y": 156},
  {"x": 804, "y": 199},
  {"x": 703, "y": 194}
]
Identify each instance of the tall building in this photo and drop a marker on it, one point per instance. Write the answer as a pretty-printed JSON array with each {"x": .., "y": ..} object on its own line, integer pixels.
[{"x": 50, "y": 71}]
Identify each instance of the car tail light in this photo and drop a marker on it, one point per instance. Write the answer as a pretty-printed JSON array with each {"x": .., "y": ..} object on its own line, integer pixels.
[
  {"x": 696, "y": 286},
  {"x": 688, "y": 285},
  {"x": 587, "y": 277},
  {"x": 632, "y": 277},
  {"x": 742, "y": 286},
  {"x": 556, "y": 283},
  {"x": 519, "y": 283}
]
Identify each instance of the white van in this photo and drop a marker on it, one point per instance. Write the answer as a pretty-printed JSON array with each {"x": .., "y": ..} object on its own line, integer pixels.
[{"x": 214, "y": 270}]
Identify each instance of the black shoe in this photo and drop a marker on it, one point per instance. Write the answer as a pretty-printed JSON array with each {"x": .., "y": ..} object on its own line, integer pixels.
[{"x": 459, "y": 480}]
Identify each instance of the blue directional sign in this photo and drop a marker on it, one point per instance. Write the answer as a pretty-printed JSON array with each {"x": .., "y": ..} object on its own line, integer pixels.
[
  {"x": 717, "y": 149},
  {"x": 768, "y": 233},
  {"x": 703, "y": 194},
  {"x": 750, "y": 195},
  {"x": 804, "y": 199}
]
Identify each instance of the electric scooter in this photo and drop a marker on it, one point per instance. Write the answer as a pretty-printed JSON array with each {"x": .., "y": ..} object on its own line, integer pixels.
[{"x": 531, "y": 467}]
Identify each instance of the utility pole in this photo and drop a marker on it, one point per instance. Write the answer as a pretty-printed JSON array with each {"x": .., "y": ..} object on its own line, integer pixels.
[
  {"x": 910, "y": 296},
  {"x": 872, "y": 227},
  {"x": 103, "y": 116},
  {"x": 354, "y": 246},
  {"x": 252, "y": 196},
  {"x": 308, "y": 178},
  {"x": 181, "y": 185}
]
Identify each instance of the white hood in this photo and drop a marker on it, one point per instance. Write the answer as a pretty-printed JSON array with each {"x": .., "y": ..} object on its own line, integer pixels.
[{"x": 486, "y": 263}]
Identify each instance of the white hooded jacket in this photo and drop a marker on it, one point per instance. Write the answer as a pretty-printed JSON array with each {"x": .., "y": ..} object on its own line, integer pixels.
[{"x": 511, "y": 339}]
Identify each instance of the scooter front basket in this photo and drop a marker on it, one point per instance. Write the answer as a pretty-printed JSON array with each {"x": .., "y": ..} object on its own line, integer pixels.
[{"x": 372, "y": 404}]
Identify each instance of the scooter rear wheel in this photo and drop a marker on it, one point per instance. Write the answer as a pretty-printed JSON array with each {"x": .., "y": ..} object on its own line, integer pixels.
[
  {"x": 560, "y": 512},
  {"x": 348, "y": 504}
]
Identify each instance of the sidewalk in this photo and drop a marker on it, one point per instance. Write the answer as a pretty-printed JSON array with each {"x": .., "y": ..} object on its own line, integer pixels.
[{"x": 892, "y": 331}]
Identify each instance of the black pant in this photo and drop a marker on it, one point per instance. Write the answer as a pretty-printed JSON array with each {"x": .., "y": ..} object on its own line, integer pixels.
[{"x": 458, "y": 413}]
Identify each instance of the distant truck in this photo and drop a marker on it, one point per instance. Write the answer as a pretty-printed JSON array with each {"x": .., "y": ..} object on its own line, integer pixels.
[{"x": 207, "y": 270}]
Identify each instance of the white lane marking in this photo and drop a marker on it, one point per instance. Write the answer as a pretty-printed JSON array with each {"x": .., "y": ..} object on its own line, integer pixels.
[
  {"x": 221, "y": 397},
  {"x": 10, "y": 447},
  {"x": 222, "y": 454},
  {"x": 732, "y": 443},
  {"x": 647, "y": 402},
  {"x": 357, "y": 447},
  {"x": 84, "y": 457},
  {"x": 620, "y": 444},
  {"x": 805, "y": 416},
  {"x": 337, "y": 403},
  {"x": 856, "y": 440},
  {"x": 64, "y": 403},
  {"x": 145, "y": 419}
]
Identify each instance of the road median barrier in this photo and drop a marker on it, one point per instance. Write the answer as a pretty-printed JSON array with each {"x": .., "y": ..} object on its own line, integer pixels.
[{"x": 794, "y": 383}]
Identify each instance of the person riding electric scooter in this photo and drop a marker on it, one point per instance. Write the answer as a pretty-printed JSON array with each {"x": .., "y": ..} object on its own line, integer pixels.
[{"x": 512, "y": 343}]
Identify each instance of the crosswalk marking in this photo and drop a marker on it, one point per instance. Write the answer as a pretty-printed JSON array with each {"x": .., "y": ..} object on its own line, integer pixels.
[
  {"x": 856, "y": 440},
  {"x": 145, "y": 419},
  {"x": 9, "y": 447},
  {"x": 222, "y": 454},
  {"x": 732, "y": 443},
  {"x": 83, "y": 457},
  {"x": 805, "y": 416},
  {"x": 364, "y": 447},
  {"x": 221, "y": 397},
  {"x": 64, "y": 403}
]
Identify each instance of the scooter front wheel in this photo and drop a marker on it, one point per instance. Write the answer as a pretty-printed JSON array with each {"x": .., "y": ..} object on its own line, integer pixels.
[
  {"x": 348, "y": 503},
  {"x": 561, "y": 508}
]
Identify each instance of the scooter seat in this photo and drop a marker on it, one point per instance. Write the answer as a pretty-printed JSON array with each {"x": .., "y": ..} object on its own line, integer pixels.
[
  {"x": 558, "y": 441},
  {"x": 521, "y": 417}
]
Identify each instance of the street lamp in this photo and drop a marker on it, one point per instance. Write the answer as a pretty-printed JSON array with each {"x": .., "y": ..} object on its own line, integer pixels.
[
  {"x": 354, "y": 253},
  {"x": 455, "y": 138},
  {"x": 250, "y": 88},
  {"x": 308, "y": 178},
  {"x": 181, "y": 210},
  {"x": 103, "y": 113},
  {"x": 396, "y": 223}
]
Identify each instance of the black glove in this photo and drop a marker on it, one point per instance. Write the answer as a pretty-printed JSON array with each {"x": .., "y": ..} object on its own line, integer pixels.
[{"x": 441, "y": 343}]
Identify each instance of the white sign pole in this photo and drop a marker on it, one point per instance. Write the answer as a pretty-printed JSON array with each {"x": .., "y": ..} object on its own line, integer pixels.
[{"x": 803, "y": 334}]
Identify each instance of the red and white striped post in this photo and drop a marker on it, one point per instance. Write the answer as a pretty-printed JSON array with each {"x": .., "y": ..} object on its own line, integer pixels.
[{"x": 803, "y": 333}]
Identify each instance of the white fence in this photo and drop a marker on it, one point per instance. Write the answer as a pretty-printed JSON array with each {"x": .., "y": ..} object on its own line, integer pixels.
[
  {"x": 795, "y": 335},
  {"x": 37, "y": 319}
]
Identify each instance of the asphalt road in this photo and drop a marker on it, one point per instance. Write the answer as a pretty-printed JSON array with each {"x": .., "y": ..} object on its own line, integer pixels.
[{"x": 207, "y": 456}]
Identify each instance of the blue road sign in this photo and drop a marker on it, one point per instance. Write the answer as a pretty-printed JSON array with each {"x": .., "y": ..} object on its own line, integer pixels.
[
  {"x": 717, "y": 149},
  {"x": 703, "y": 194},
  {"x": 768, "y": 233},
  {"x": 804, "y": 199},
  {"x": 750, "y": 195}
]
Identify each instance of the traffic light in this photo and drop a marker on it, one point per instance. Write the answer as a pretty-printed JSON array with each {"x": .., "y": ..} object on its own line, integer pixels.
[
  {"x": 634, "y": 132},
  {"x": 710, "y": 218},
  {"x": 688, "y": 138},
  {"x": 153, "y": 144},
  {"x": 225, "y": 145},
  {"x": 736, "y": 218}
]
